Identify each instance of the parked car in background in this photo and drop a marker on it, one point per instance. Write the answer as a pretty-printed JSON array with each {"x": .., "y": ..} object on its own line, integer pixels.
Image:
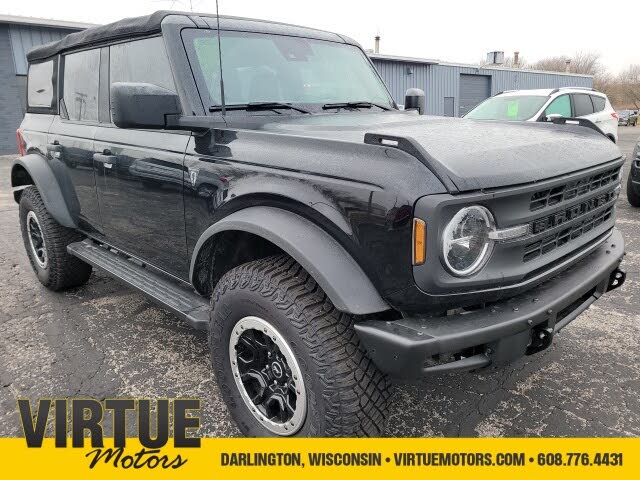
[
  {"x": 628, "y": 118},
  {"x": 542, "y": 105},
  {"x": 633, "y": 182}
]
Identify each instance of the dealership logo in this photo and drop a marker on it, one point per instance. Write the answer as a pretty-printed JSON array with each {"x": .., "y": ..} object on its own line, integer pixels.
[{"x": 74, "y": 419}]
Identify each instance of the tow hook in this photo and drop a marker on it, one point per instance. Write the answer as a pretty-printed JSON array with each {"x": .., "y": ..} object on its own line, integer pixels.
[
  {"x": 617, "y": 278},
  {"x": 541, "y": 338}
]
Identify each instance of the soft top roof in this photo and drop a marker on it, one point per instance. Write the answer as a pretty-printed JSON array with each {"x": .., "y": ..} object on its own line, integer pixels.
[{"x": 149, "y": 24}]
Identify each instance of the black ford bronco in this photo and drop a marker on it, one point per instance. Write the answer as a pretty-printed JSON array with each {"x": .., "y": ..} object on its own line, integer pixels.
[{"x": 258, "y": 180}]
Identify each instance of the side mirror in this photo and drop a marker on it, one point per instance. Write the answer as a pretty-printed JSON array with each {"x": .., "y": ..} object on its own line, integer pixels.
[
  {"x": 142, "y": 105},
  {"x": 414, "y": 99},
  {"x": 551, "y": 116}
]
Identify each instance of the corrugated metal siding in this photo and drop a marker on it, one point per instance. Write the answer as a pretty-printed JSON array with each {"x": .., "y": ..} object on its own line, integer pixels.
[
  {"x": 25, "y": 37},
  {"x": 12, "y": 95},
  {"x": 440, "y": 81},
  {"x": 398, "y": 80}
]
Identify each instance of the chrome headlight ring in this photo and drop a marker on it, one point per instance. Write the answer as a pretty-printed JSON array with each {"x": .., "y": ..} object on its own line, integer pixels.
[{"x": 469, "y": 238}]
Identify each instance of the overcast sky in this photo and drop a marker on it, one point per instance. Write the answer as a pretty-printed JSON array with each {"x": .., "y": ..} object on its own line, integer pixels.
[{"x": 452, "y": 30}]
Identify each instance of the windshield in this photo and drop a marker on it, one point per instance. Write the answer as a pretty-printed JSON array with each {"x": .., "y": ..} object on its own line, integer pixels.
[
  {"x": 259, "y": 68},
  {"x": 512, "y": 107}
]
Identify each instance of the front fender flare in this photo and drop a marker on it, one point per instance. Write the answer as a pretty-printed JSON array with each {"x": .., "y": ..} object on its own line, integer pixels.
[
  {"x": 48, "y": 186},
  {"x": 335, "y": 270}
]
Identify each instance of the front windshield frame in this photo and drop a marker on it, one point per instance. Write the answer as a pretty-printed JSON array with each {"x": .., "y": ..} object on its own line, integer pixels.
[
  {"x": 207, "y": 75},
  {"x": 529, "y": 114}
]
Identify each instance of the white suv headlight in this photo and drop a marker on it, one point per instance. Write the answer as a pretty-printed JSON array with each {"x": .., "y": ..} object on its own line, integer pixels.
[{"x": 467, "y": 241}]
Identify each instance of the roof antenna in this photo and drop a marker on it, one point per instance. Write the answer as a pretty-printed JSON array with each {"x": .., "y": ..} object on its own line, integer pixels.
[{"x": 222, "y": 106}]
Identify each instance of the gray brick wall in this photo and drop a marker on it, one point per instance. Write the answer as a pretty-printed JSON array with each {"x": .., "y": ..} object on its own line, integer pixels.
[{"x": 12, "y": 95}]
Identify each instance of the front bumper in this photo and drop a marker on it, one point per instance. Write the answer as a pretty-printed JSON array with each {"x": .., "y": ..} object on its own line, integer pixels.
[{"x": 500, "y": 333}]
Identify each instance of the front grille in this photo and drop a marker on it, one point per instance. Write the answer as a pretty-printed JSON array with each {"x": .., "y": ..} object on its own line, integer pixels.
[
  {"x": 564, "y": 236},
  {"x": 572, "y": 213},
  {"x": 573, "y": 189}
]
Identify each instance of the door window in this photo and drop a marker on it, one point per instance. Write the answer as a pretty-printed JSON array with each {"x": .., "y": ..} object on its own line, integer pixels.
[
  {"x": 80, "y": 90},
  {"x": 582, "y": 104},
  {"x": 598, "y": 103},
  {"x": 561, "y": 106},
  {"x": 141, "y": 61}
]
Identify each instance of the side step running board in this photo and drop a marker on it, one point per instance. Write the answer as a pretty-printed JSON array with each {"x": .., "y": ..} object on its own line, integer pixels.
[{"x": 181, "y": 300}]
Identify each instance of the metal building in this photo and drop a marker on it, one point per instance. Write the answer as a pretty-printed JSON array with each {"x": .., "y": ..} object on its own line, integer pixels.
[
  {"x": 453, "y": 89},
  {"x": 17, "y": 36}
]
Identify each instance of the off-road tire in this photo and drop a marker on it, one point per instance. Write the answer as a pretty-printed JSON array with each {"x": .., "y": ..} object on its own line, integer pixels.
[
  {"x": 62, "y": 270},
  {"x": 633, "y": 195},
  {"x": 347, "y": 396}
]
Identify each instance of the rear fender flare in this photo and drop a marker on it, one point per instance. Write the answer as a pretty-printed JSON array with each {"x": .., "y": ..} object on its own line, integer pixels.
[
  {"x": 49, "y": 188},
  {"x": 332, "y": 267}
]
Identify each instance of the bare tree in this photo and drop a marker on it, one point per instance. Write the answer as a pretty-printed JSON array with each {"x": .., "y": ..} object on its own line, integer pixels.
[
  {"x": 629, "y": 85},
  {"x": 587, "y": 63},
  {"x": 509, "y": 62},
  {"x": 551, "y": 64},
  {"x": 606, "y": 83}
]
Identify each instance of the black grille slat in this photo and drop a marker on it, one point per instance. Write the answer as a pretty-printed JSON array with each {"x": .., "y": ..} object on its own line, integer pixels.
[
  {"x": 564, "y": 236},
  {"x": 573, "y": 189}
]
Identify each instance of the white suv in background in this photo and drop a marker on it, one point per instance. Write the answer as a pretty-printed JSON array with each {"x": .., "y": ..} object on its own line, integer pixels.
[{"x": 543, "y": 104}]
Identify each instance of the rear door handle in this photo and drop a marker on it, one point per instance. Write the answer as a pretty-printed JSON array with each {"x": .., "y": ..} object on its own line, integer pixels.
[
  {"x": 105, "y": 158},
  {"x": 55, "y": 149}
]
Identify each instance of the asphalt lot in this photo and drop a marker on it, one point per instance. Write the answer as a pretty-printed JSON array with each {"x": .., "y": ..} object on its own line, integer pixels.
[{"x": 104, "y": 340}]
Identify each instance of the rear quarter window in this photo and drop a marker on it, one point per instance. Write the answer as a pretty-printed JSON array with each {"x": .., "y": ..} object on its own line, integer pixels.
[
  {"x": 40, "y": 85},
  {"x": 598, "y": 103}
]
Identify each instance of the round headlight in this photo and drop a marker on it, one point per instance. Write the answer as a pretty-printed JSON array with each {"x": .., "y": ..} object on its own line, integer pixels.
[{"x": 466, "y": 245}]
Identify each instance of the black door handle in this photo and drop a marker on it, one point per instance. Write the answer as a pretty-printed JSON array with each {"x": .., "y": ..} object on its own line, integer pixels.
[
  {"x": 107, "y": 161},
  {"x": 54, "y": 147}
]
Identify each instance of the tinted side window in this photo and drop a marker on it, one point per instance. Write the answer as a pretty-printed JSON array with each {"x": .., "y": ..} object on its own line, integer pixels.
[
  {"x": 80, "y": 90},
  {"x": 561, "y": 105},
  {"x": 40, "y": 84},
  {"x": 142, "y": 61},
  {"x": 582, "y": 104},
  {"x": 598, "y": 103}
]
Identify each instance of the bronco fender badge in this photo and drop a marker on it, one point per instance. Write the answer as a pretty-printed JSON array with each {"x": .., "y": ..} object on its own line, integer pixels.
[{"x": 193, "y": 176}]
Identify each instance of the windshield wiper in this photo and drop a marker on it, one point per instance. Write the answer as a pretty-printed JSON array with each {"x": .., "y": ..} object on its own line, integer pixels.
[
  {"x": 256, "y": 106},
  {"x": 339, "y": 105}
]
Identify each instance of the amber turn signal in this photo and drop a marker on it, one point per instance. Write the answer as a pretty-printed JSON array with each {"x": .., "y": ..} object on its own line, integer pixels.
[{"x": 419, "y": 241}]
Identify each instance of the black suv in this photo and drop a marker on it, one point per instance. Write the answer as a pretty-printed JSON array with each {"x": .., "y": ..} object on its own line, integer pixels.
[{"x": 258, "y": 180}]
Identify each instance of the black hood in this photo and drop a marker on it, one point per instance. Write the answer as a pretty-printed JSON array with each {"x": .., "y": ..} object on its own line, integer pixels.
[{"x": 471, "y": 154}]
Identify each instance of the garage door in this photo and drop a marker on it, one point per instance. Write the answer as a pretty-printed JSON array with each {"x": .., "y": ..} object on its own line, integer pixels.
[{"x": 473, "y": 90}]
